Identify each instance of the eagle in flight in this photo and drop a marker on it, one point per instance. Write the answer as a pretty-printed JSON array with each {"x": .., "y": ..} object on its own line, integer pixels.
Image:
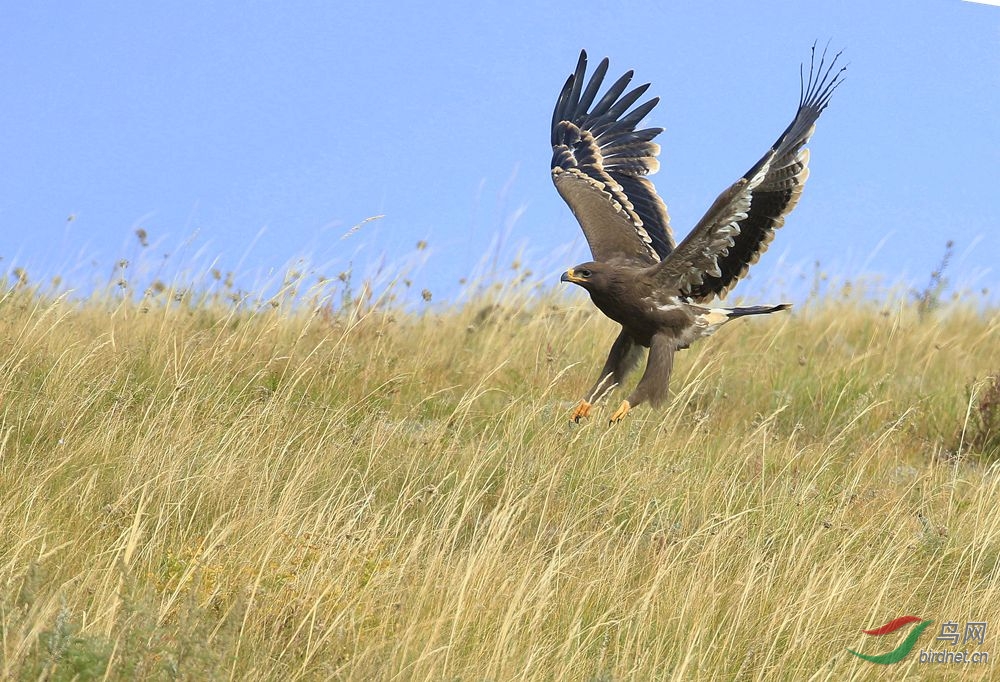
[{"x": 656, "y": 290}]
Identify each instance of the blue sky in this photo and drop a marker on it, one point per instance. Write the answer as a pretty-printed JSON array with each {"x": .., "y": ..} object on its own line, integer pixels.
[{"x": 246, "y": 136}]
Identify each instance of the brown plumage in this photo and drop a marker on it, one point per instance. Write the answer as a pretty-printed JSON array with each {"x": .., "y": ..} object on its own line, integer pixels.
[{"x": 639, "y": 278}]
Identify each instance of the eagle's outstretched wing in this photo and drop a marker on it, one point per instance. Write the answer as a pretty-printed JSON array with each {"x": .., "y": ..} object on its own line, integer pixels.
[
  {"x": 740, "y": 225},
  {"x": 599, "y": 164}
]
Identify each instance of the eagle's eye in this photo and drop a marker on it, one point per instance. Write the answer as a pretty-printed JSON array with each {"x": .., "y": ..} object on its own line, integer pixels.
[{"x": 584, "y": 273}]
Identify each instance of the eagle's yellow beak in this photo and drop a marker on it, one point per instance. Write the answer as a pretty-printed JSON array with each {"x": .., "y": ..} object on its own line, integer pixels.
[{"x": 570, "y": 276}]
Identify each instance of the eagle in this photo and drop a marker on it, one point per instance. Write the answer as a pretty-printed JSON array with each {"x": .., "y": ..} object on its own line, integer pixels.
[{"x": 659, "y": 291}]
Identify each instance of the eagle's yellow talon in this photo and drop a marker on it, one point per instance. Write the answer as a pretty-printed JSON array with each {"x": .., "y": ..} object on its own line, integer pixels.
[
  {"x": 582, "y": 410},
  {"x": 620, "y": 413}
]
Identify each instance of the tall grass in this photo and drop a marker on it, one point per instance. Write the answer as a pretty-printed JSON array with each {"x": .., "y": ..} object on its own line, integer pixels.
[{"x": 195, "y": 490}]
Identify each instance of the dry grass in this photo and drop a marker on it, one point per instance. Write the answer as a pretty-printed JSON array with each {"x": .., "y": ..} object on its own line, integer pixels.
[{"x": 193, "y": 491}]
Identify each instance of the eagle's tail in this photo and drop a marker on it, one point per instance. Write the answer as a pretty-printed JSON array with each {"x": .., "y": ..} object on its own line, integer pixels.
[
  {"x": 713, "y": 318},
  {"x": 755, "y": 310}
]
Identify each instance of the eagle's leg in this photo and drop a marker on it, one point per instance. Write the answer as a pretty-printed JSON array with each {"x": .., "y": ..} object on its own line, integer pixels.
[
  {"x": 624, "y": 355},
  {"x": 653, "y": 387}
]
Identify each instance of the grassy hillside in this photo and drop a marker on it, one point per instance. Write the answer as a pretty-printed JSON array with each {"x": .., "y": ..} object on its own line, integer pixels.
[{"x": 194, "y": 491}]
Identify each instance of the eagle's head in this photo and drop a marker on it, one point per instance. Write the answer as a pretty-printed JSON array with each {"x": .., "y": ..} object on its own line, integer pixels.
[
  {"x": 613, "y": 287},
  {"x": 594, "y": 277}
]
